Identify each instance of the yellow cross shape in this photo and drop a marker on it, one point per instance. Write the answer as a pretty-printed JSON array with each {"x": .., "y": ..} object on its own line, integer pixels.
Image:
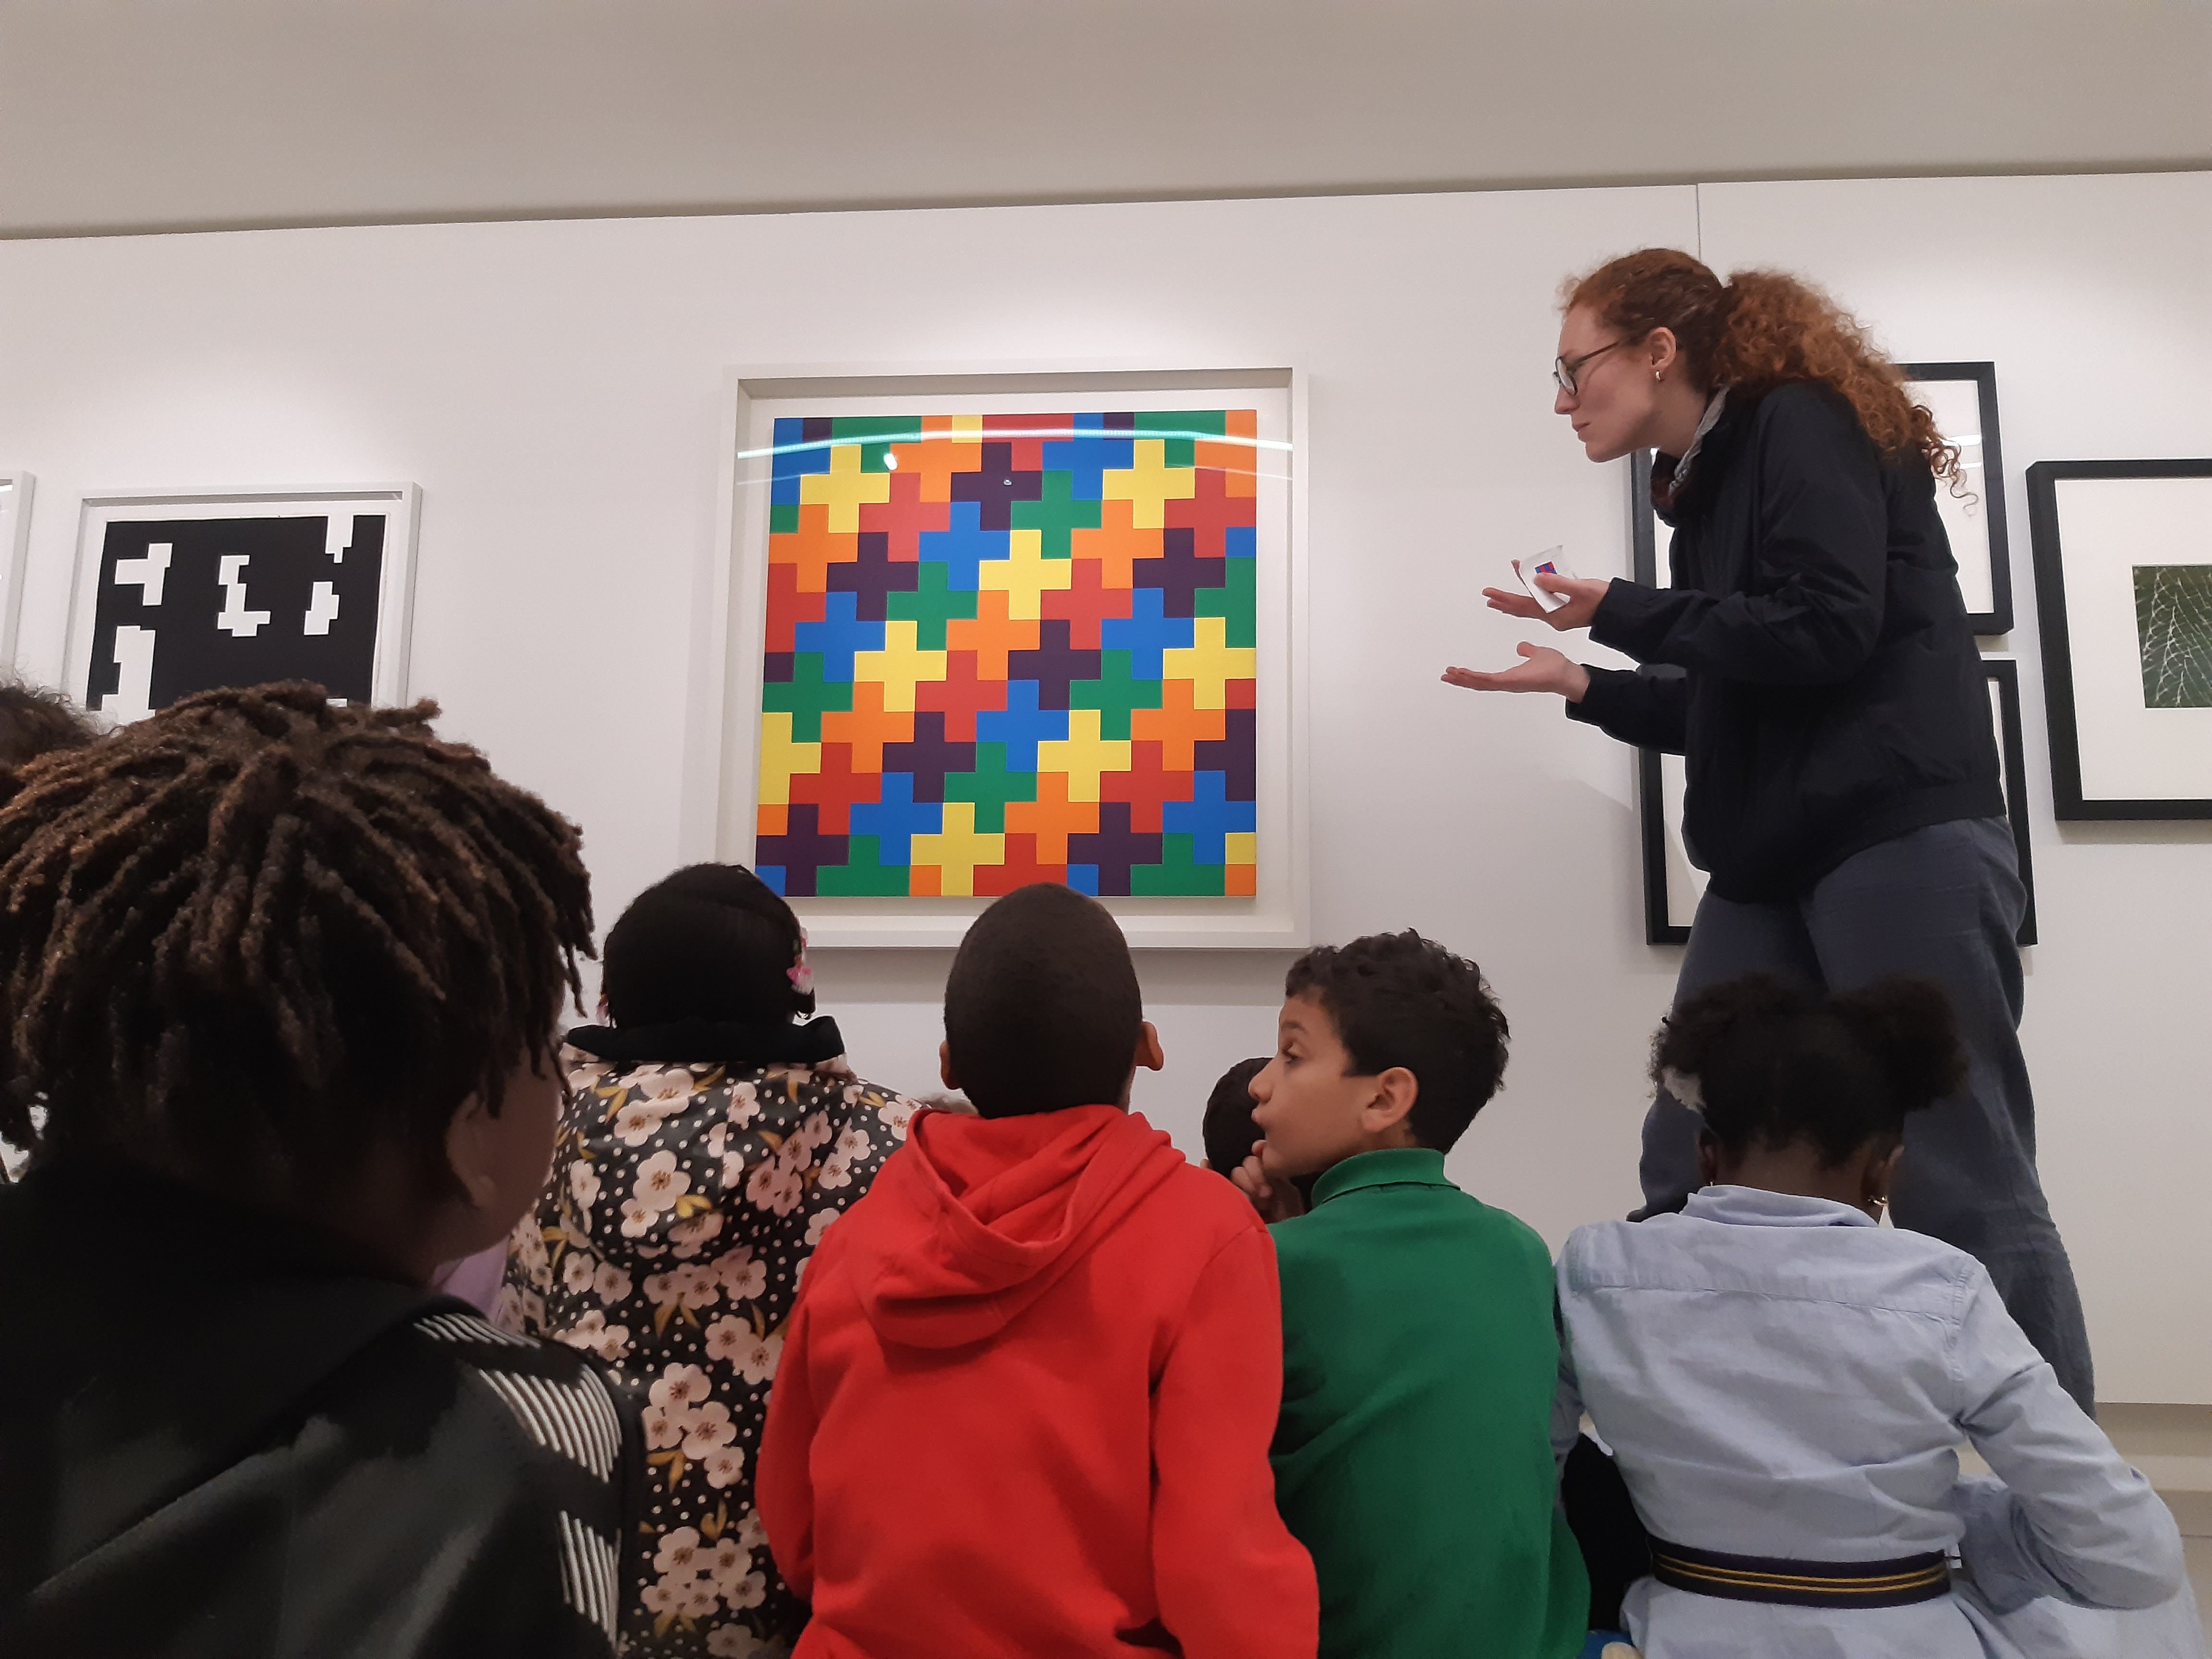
[
  {"x": 1026, "y": 573},
  {"x": 899, "y": 666},
  {"x": 1209, "y": 664},
  {"x": 958, "y": 851},
  {"x": 1241, "y": 847},
  {"x": 1082, "y": 756},
  {"x": 1147, "y": 484},
  {"x": 844, "y": 488},
  {"x": 781, "y": 758}
]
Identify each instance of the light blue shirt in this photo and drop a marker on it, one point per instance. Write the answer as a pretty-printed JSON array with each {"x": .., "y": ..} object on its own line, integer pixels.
[{"x": 1779, "y": 1376}]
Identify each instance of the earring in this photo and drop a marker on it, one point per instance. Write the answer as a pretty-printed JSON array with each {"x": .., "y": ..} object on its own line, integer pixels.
[{"x": 1656, "y": 377}]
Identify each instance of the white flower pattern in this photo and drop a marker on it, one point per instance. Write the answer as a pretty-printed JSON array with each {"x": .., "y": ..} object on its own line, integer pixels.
[{"x": 691, "y": 1198}]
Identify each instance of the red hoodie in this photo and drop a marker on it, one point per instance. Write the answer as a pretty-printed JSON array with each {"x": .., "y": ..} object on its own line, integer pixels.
[{"x": 1024, "y": 1404}]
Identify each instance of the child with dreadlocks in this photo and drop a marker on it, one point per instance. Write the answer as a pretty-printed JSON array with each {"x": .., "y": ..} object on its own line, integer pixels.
[
  {"x": 285, "y": 976},
  {"x": 1783, "y": 1381}
]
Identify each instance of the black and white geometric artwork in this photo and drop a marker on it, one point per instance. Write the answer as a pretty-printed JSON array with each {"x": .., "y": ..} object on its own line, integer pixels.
[{"x": 191, "y": 593}]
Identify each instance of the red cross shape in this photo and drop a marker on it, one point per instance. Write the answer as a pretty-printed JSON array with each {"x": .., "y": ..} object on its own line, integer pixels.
[
  {"x": 1144, "y": 785},
  {"x": 1087, "y": 604},
  {"x": 959, "y": 695},
  {"x": 836, "y": 788},
  {"x": 1210, "y": 511}
]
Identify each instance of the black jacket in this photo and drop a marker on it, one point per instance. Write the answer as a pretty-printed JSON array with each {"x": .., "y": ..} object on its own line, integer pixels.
[
  {"x": 218, "y": 1442},
  {"x": 1812, "y": 661}
]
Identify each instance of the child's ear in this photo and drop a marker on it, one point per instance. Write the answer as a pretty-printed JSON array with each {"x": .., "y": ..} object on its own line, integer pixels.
[
  {"x": 1881, "y": 1174},
  {"x": 1149, "y": 1054},
  {"x": 470, "y": 1155},
  {"x": 945, "y": 1066},
  {"x": 1396, "y": 1092},
  {"x": 1708, "y": 1159}
]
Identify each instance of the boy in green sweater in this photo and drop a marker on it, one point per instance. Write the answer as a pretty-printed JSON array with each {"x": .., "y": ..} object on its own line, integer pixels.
[{"x": 1413, "y": 1456}]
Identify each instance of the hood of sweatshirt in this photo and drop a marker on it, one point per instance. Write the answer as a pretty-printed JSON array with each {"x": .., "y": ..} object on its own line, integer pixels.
[{"x": 974, "y": 1218}]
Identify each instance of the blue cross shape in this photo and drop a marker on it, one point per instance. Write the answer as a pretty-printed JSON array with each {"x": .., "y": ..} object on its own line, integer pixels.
[
  {"x": 787, "y": 465},
  {"x": 1087, "y": 456},
  {"x": 838, "y": 636},
  {"x": 964, "y": 546},
  {"x": 1146, "y": 632},
  {"x": 1021, "y": 725},
  {"x": 897, "y": 819},
  {"x": 1240, "y": 541},
  {"x": 1207, "y": 817}
]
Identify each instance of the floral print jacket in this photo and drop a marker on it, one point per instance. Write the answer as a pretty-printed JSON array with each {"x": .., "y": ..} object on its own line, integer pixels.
[{"x": 685, "y": 1202}]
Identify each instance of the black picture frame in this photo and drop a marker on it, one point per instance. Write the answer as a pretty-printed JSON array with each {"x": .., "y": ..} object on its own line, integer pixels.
[
  {"x": 2068, "y": 800},
  {"x": 2003, "y": 673},
  {"x": 1998, "y": 619},
  {"x": 1659, "y": 926}
]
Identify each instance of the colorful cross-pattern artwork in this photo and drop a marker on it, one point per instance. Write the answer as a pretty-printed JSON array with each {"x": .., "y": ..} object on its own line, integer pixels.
[{"x": 1011, "y": 649}]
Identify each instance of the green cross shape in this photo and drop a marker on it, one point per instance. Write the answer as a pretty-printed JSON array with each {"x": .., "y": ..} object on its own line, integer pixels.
[
  {"x": 1055, "y": 514},
  {"x": 933, "y": 605},
  {"x": 805, "y": 696},
  {"x": 990, "y": 785},
  {"x": 1114, "y": 694}
]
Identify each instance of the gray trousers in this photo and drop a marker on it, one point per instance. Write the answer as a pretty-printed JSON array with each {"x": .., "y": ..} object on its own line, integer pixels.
[{"x": 1943, "y": 903}]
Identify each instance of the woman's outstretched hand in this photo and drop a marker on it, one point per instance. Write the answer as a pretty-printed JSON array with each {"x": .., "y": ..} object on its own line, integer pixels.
[
  {"x": 1541, "y": 669},
  {"x": 1582, "y": 604}
]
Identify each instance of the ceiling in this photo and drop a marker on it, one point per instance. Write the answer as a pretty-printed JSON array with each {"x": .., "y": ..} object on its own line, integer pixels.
[{"x": 157, "y": 114}]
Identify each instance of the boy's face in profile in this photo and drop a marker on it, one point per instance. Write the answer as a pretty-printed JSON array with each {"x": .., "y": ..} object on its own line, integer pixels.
[{"x": 1313, "y": 1109}]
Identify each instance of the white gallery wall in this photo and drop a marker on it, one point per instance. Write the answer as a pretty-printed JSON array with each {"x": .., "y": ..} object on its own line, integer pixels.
[{"x": 557, "y": 391}]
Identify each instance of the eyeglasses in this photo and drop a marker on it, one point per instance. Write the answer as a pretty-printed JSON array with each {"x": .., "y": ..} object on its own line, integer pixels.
[{"x": 1564, "y": 369}]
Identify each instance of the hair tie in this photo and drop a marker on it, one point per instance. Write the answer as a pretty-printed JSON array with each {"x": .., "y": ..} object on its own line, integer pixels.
[
  {"x": 800, "y": 974},
  {"x": 1684, "y": 1087}
]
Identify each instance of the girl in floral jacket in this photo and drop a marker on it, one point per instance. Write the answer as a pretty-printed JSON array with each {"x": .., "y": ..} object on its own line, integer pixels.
[{"x": 713, "y": 1133}]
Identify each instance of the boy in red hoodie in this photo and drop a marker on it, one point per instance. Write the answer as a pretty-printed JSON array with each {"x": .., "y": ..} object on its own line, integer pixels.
[{"x": 1024, "y": 1404}]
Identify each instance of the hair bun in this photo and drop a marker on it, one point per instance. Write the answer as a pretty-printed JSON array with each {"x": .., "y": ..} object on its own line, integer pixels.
[{"x": 1910, "y": 1026}]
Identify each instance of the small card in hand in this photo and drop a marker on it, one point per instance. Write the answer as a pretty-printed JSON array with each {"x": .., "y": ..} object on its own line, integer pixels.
[{"x": 1548, "y": 563}]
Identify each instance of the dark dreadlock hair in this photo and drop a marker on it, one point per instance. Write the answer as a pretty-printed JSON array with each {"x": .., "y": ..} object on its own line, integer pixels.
[{"x": 246, "y": 938}]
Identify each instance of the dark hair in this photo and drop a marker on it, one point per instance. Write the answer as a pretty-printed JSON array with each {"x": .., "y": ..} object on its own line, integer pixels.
[
  {"x": 712, "y": 942},
  {"x": 1756, "y": 331},
  {"x": 1400, "y": 1000},
  {"x": 1229, "y": 1133},
  {"x": 1772, "y": 1065},
  {"x": 1041, "y": 1008},
  {"x": 34, "y": 721},
  {"x": 254, "y": 933}
]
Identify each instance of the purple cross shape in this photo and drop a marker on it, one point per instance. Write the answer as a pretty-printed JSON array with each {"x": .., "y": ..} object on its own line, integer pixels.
[
  {"x": 927, "y": 759},
  {"x": 1106, "y": 858},
  {"x": 1237, "y": 756},
  {"x": 1054, "y": 665},
  {"x": 874, "y": 576},
  {"x": 788, "y": 862},
  {"x": 1178, "y": 573},
  {"x": 995, "y": 487}
]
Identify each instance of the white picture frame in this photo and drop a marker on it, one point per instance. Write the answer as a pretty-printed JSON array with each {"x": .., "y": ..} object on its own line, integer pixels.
[
  {"x": 2124, "y": 742},
  {"x": 722, "y": 754},
  {"x": 112, "y": 522},
  {"x": 15, "y": 491}
]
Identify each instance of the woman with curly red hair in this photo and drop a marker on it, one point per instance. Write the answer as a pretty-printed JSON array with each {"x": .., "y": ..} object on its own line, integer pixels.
[{"x": 1812, "y": 661}]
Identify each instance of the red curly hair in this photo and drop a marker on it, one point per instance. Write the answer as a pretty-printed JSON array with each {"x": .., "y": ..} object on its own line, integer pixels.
[{"x": 1756, "y": 331}]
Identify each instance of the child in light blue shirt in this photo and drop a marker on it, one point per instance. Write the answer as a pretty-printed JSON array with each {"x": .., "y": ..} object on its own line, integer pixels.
[{"x": 1785, "y": 1384}]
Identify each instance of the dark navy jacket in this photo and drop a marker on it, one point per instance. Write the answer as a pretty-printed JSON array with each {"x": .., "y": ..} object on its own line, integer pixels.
[{"x": 1813, "y": 660}]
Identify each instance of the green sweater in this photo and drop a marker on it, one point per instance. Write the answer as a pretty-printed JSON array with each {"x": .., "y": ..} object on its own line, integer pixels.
[{"x": 1414, "y": 1456}]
